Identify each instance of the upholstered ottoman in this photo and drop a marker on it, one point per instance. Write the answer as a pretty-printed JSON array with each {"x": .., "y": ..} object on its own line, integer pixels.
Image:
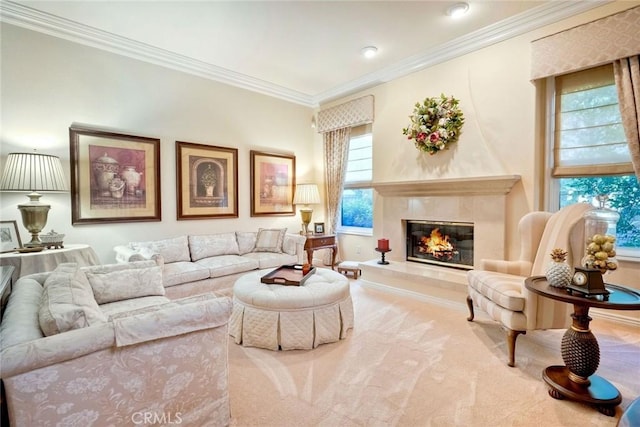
[{"x": 291, "y": 317}]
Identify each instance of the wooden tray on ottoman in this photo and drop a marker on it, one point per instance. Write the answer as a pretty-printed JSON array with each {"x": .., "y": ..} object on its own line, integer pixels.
[{"x": 287, "y": 275}]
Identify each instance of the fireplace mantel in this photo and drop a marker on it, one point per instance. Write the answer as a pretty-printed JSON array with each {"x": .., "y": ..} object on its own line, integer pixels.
[{"x": 471, "y": 186}]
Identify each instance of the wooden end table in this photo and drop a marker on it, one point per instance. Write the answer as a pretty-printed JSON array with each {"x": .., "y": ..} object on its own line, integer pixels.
[
  {"x": 580, "y": 350},
  {"x": 321, "y": 241}
]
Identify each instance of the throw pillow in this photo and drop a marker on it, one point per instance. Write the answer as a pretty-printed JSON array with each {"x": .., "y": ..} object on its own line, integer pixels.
[
  {"x": 270, "y": 240},
  {"x": 246, "y": 241},
  {"x": 213, "y": 245},
  {"x": 131, "y": 283},
  {"x": 67, "y": 301},
  {"x": 289, "y": 244},
  {"x": 172, "y": 250}
]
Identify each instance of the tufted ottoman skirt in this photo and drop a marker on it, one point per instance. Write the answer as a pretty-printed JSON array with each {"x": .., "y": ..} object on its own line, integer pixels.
[{"x": 291, "y": 317}]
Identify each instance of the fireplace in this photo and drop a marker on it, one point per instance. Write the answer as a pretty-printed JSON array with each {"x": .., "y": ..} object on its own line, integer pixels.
[{"x": 443, "y": 243}]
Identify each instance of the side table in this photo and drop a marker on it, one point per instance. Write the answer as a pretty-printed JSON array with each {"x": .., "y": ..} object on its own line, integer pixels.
[
  {"x": 580, "y": 350},
  {"x": 48, "y": 259},
  {"x": 321, "y": 241}
]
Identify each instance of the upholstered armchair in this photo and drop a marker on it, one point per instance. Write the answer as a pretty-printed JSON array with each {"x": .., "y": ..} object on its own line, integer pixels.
[{"x": 497, "y": 286}]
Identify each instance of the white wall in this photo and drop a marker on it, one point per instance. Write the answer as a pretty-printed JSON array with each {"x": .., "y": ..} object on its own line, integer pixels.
[
  {"x": 499, "y": 104},
  {"x": 48, "y": 84}
]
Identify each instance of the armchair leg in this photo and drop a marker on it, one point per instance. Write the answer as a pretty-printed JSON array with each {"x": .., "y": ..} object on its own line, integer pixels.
[
  {"x": 470, "y": 305},
  {"x": 511, "y": 345}
]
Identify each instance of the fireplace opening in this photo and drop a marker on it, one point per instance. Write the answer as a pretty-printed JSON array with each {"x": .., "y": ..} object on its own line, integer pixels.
[{"x": 442, "y": 243}]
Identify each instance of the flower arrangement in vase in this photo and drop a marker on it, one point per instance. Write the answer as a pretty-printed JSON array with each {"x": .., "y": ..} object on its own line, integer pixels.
[{"x": 436, "y": 123}]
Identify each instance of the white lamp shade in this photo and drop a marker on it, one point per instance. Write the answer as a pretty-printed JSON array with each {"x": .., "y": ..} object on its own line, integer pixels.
[
  {"x": 306, "y": 194},
  {"x": 33, "y": 172}
]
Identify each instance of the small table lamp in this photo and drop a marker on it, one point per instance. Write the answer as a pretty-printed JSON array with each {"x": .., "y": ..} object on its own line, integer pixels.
[
  {"x": 306, "y": 194},
  {"x": 33, "y": 172}
]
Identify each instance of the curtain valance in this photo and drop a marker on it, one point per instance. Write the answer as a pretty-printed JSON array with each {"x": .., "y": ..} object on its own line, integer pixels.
[
  {"x": 595, "y": 43},
  {"x": 353, "y": 113}
]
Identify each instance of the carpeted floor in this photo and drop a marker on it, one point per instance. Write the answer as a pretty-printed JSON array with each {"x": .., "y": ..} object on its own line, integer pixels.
[{"x": 415, "y": 363}]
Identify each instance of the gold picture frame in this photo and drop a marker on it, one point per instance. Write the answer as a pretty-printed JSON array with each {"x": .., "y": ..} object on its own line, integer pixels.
[
  {"x": 207, "y": 181},
  {"x": 273, "y": 179},
  {"x": 114, "y": 177}
]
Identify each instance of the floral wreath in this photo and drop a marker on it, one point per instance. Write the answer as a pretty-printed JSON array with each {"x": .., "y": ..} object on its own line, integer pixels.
[{"x": 435, "y": 123}]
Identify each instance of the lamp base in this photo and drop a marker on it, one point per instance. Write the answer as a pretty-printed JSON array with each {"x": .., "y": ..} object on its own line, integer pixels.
[
  {"x": 306, "y": 219},
  {"x": 34, "y": 218}
]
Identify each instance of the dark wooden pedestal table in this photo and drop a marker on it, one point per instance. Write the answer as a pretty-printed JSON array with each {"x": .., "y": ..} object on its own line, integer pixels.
[{"x": 580, "y": 350}]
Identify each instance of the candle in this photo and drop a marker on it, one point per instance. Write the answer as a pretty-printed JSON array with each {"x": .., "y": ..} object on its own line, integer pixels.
[{"x": 383, "y": 244}]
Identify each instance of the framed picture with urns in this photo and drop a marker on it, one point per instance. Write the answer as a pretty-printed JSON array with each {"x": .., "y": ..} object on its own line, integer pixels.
[
  {"x": 207, "y": 181},
  {"x": 115, "y": 177},
  {"x": 273, "y": 178}
]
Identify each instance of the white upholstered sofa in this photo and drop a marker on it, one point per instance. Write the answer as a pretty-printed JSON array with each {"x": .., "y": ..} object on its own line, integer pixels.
[
  {"x": 212, "y": 262},
  {"x": 497, "y": 286},
  {"x": 103, "y": 345}
]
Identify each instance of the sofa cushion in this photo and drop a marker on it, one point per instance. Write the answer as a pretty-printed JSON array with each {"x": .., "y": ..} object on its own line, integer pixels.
[
  {"x": 126, "y": 284},
  {"x": 246, "y": 241},
  {"x": 178, "y": 273},
  {"x": 225, "y": 265},
  {"x": 272, "y": 259},
  {"x": 125, "y": 306},
  {"x": 67, "y": 301},
  {"x": 172, "y": 250},
  {"x": 270, "y": 239},
  {"x": 505, "y": 290},
  {"x": 206, "y": 246}
]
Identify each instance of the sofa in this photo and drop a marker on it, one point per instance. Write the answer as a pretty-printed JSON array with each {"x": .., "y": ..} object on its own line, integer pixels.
[
  {"x": 201, "y": 263},
  {"x": 103, "y": 345}
]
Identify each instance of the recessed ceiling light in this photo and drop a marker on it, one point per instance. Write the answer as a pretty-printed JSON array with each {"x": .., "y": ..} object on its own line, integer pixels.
[
  {"x": 369, "y": 51},
  {"x": 458, "y": 9}
]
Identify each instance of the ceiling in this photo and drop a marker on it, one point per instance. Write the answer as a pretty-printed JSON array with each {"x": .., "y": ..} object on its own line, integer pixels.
[{"x": 306, "y": 52}]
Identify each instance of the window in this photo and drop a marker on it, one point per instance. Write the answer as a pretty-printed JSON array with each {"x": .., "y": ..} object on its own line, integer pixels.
[
  {"x": 590, "y": 151},
  {"x": 356, "y": 208}
]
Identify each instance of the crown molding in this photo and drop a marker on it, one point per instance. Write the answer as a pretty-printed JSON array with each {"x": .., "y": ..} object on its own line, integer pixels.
[
  {"x": 26, "y": 17},
  {"x": 517, "y": 25}
]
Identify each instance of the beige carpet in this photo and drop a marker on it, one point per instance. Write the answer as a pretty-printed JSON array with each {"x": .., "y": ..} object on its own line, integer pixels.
[{"x": 415, "y": 363}]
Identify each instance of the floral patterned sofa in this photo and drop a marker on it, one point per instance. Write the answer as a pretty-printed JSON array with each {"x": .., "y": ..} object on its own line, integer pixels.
[
  {"x": 212, "y": 262},
  {"x": 103, "y": 345}
]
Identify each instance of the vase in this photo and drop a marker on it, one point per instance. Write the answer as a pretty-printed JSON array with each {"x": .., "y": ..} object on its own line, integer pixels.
[
  {"x": 105, "y": 169},
  {"x": 116, "y": 188},
  {"x": 132, "y": 178},
  {"x": 600, "y": 234},
  {"x": 558, "y": 274}
]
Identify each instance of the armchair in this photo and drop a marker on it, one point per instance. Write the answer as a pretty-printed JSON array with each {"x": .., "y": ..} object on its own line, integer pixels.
[{"x": 497, "y": 286}]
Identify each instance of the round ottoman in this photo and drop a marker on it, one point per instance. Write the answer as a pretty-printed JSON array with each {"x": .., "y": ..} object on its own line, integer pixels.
[{"x": 291, "y": 317}]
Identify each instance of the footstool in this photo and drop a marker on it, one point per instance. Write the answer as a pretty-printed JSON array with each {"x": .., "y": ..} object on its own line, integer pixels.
[
  {"x": 291, "y": 317},
  {"x": 346, "y": 267}
]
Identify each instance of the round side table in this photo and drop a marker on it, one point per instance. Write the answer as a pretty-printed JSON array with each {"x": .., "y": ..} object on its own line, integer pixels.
[{"x": 580, "y": 351}]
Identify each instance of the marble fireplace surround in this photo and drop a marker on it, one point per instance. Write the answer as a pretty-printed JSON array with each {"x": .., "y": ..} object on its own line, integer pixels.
[{"x": 479, "y": 200}]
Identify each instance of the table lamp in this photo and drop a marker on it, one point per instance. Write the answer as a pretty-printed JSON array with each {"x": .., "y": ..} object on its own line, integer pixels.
[
  {"x": 33, "y": 172},
  {"x": 306, "y": 194}
]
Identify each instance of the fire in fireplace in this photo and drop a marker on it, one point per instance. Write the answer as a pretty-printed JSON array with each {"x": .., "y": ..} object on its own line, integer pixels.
[{"x": 442, "y": 243}]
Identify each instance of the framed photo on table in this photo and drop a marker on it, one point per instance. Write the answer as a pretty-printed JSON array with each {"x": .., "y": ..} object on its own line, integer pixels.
[
  {"x": 273, "y": 178},
  {"x": 9, "y": 236},
  {"x": 114, "y": 177},
  {"x": 318, "y": 227},
  {"x": 207, "y": 181}
]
